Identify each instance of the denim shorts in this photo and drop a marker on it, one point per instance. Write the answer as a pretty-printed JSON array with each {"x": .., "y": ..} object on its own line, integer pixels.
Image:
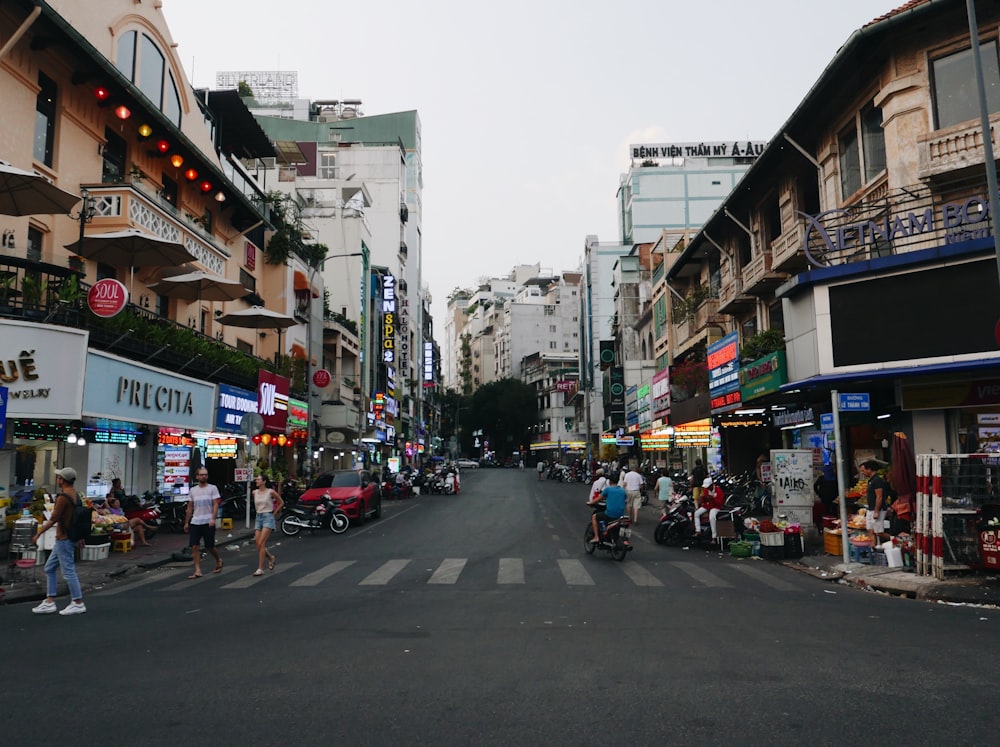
[{"x": 264, "y": 521}]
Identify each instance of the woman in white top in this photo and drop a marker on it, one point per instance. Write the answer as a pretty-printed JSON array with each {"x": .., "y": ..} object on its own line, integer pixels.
[{"x": 267, "y": 503}]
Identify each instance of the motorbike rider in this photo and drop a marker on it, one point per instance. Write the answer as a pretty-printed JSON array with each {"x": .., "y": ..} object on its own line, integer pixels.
[
  {"x": 712, "y": 500},
  {"x": 614, "y": 505}
]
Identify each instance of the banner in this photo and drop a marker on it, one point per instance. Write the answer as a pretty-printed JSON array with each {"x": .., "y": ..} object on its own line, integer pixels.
[{"x": 272, "y": 401}]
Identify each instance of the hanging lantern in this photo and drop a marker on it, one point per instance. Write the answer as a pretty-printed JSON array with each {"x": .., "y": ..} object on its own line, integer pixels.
[
  {"x": 206, "y": 187},
  {"x": 190, "y": 175},
  {"x": 176, "y": 161},
  {"x": 123, "y": 112},
  {"x": 265, "y": 438},
  {"x": 256, "y": 438},
  {"x": 281, "y": 439},
  {"x": 102, "y": 93},
  {"x": 145, "y": 130},
  {"x": 163, "y": 146}
]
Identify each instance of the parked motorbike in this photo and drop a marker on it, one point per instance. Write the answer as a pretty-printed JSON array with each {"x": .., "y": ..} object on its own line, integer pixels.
[
  {"x": 172, "y": 512},
  {"x": 319, "y": 515},
  {"x": 148, "y": 512},
  {"x": 615, "y": 536},
  {"x": 676, "y": 527}
]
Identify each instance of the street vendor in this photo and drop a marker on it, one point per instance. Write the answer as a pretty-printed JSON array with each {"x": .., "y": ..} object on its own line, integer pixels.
[{"x": 878, "y": 495}]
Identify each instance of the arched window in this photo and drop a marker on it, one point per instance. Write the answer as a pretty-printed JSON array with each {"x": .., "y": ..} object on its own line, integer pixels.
[{"x": 141, "y": 61}]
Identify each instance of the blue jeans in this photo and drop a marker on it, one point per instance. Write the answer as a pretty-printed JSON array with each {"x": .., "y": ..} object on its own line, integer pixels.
[{"x": 63, "y": 556}]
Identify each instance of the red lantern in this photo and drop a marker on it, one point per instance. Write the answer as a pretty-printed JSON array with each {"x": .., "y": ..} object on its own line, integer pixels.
[
  {"x": 256, "y": 438},
  {"x": 190, "y": 175},
  {"x": 162, "y": 145},
  {"x": 102, "y": 93},
  {"x": 123, "y": 112},
  {"x": 206, "y": 187}
]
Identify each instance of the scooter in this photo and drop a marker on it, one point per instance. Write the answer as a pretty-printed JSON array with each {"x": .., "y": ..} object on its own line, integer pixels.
[
  {"x": 676, "y": 527},
  {"x": 320, "y": 515},
  {"x": 615, "y": 536}
]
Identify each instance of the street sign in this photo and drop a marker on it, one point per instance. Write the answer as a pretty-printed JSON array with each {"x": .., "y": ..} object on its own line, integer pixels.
[
  {"x": 322, "y": 378},
  {"x": 626, "y": 440},
  {"x": 242, "y": 474},
  {"x": 826, "y": 421},
  {"x": 860, "y": 402}
]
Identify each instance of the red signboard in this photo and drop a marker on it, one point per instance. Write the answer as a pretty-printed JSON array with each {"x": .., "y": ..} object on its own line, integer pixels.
[
  {"x": 250, "y": 260},
  {"x": 322, "y": 378},
  {"x": 272, "y": 401},
  {"x": 107, "y": 297}
]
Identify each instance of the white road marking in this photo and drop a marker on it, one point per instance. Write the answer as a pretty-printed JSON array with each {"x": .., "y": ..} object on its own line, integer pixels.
[
  {"x": 765, "y": 578},
  {"x": 699, "y": 574},
  {"x": 639, "y": 575},
  {"x": 150, "y": 577},
  {"x": 511, "y": 571},
  {"x": 383, "y": 575},
  {"x": 188, "y": 583},
  {"x": 250, "y": 579},
  {"x": 448, "y": 572},
  {"x": 574, "y": 572},
  {"x": 318, "y": 576}
]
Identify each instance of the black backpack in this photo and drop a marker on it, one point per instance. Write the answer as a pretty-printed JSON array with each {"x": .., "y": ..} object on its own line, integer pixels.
[{"x": 80, "y": 519}]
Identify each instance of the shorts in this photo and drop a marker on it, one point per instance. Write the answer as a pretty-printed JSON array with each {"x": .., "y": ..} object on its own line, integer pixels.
[
  {"x": 633, "y": 498},
  {"x": 873, "y": 523},
  {"x": 199, "y": 532},
  {"x": 264, "y": 521}
]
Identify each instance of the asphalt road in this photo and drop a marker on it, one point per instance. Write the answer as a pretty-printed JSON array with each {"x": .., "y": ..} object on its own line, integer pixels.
[{"x": 477, "y": 619}]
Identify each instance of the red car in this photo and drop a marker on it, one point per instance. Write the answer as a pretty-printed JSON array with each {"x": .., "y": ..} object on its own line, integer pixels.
[{"x": 354, "y": 491}]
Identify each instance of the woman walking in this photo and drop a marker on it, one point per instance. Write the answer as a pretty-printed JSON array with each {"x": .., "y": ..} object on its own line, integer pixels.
[{"x": 267, "y": 503}]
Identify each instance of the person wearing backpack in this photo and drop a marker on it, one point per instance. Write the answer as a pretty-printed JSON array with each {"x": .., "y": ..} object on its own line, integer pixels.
[{"x": 69, "y": 506}]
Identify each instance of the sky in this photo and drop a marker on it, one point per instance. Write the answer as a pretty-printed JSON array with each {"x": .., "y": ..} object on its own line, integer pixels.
[{"x": 528, "y": 107}]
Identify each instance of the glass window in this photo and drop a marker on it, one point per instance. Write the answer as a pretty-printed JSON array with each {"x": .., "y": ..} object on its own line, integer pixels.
[
  {"x": 151, "y": 71},
  {"x": 850, "y": 162},
  {"x": 34, "y": 244},
  {"x": 126, "y": 55},
  {"x": 873, "y": 141},
  {"x": 172, "y": 101},
  {"x": 113, "y": 156},
  {"x": 45, "y": 119},
  {"x": 955, "y": 96}
]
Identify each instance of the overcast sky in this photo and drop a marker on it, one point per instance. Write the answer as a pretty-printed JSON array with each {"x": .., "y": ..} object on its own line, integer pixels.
[{"x": 528, "y": 107}]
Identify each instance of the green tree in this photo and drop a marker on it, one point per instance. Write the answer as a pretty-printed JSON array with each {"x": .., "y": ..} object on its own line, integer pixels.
[{"x": 504, "y": 410}]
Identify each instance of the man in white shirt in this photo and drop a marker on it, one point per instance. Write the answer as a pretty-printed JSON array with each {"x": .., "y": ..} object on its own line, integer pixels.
[
  {"x": 203, "y": 507},
  {"x": 633, "y": 484}
]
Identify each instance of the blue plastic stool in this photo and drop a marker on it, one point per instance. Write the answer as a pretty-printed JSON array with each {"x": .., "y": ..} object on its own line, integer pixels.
[{"x": 860, "y": 554}]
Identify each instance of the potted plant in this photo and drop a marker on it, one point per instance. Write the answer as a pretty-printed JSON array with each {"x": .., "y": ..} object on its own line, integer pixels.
[
  {"x": 6, "y": 289},
  {"x": 31, "y": 294}
]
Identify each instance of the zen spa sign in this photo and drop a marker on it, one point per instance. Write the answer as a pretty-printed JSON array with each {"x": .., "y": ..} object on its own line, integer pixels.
[{"x": 120, "y": 389}]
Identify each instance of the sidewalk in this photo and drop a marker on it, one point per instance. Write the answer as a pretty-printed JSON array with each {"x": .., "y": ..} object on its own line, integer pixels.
[
  {"x": 973, "y": 588},
  {"x": 94, "y": 574}
]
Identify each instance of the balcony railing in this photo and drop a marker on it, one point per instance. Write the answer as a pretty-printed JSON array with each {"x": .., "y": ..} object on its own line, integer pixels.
[
  {"x": 757, "y": 275},
  {"x": 955, "y": 148},
  {"x": 732, "y": 299},
  {"x": 786, "y": 250}
]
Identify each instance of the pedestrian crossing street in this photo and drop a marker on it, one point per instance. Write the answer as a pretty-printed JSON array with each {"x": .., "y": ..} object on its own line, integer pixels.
[{"x": 510, "y": 573}]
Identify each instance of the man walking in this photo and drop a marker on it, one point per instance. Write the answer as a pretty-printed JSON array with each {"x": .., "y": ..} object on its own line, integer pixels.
[
  {"x": 203, "y": 507},
  {"x": 63, "y": 555},
  {"x": 634, "y": 483}
]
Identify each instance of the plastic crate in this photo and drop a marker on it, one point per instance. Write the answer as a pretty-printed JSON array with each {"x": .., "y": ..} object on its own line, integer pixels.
[
  {"x": 95, "y": 552},
  {"x": 769, "y": 552},
  {"x": 879, "y": 558},
  {"x": 772, "y": 539},
  {"x": 833, "y": 542}
]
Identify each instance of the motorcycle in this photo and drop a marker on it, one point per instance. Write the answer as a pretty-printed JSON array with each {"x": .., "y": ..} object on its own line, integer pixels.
[
  {"x": 320, "y": 515},
  {"x": 615, "y": 536},
  {"x": 676, "y": 527}
]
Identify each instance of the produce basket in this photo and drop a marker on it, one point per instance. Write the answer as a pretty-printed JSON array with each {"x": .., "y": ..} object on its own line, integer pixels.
[
  {"x": 740, "y": 549},
  {"x": 772, "y": 539}
]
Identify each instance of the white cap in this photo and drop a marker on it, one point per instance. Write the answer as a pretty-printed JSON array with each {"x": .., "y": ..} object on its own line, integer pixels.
[{"x": 707, "y": 483}]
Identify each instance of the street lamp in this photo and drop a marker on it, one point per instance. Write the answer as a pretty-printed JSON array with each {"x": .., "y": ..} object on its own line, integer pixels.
[{"x": 310, "y": 368}]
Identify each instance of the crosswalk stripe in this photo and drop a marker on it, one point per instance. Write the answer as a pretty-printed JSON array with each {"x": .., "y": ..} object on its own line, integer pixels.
[
  {"x": 574, "y": 573},
  {"x": 640, "y": 576},
  {"x": 702, "y": 576},
  {"x": 150, "y": 578},
  {"x": 448, "y": 571},
  {"x": 765, "y": 578},
  {"x": 316, "y": 577},
  {"x": 250, "y": 579},
  {"x": 511, "y": 571},
  {"x": 384, "y": 573},
  {"x": 187, "y": 583}
]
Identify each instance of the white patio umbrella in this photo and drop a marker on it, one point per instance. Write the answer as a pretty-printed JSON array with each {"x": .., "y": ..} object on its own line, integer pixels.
[
  {"x": 200, "y": 286},
  {"x": 131, "y": 248},
  {"x": 257, "y": 317},
  {"x": 28, "y": 193}
]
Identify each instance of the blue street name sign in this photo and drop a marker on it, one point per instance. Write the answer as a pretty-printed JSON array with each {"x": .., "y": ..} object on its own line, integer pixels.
[
  {"x": 826, "y": 421},
  {"x": 855, "y": 402}
]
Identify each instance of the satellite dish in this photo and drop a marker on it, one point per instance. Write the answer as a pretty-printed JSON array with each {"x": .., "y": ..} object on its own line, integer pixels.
[{"x": 252, "y": 423}]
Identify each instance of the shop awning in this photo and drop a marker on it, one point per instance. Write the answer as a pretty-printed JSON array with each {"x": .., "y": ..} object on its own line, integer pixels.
[
  {"x": 302, "y": 283},
  {"x": 828, "y": 380}
]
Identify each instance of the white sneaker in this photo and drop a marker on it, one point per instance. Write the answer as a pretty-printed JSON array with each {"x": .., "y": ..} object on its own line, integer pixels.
[
  {"x": 73, "y": 608},
  {"x": 45, "y": 608}
]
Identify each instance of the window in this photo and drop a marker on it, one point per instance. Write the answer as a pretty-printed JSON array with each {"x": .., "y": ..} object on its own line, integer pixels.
[
  {"x": 552, "y": 344},
  {"x": 859, "y": 165},
  {"x": 34, "y": 244},
  {"x": 169, "y": 191},
  {"x": 249, "y": 282},
  {"x": 748, "y": 328},
  {"x": 776, "y": 317},
  {"x": 113, "y": 155},
  {"x": 163, "y": 308},
  {"x": 106, "y": 271},
  {"x": 327, "y": 165},
  {"x": 552, "y": 328},
  {"x": 140, "y": 60},
  {"x": 45, "y": 119},
  {"x": 955, "y": 96}
]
